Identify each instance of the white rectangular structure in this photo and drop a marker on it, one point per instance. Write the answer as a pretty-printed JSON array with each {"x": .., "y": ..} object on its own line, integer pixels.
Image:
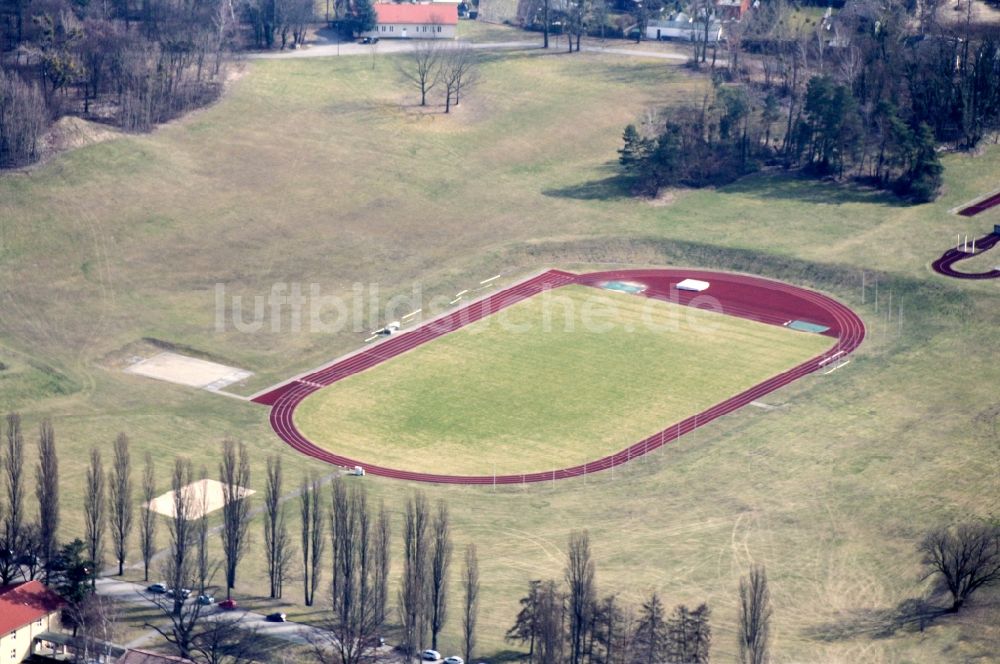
[{"x": 693, "y": 285}]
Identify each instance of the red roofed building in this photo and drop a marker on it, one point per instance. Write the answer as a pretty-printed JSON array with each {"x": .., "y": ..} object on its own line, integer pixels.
[
  {"x": 408, "y": 21},
  {"x": 26, "y": 610},
  {"x": 732, "y": 10}
]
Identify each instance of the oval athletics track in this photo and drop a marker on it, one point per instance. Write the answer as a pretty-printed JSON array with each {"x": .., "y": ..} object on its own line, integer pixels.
[{"x": 744, "y": 296}]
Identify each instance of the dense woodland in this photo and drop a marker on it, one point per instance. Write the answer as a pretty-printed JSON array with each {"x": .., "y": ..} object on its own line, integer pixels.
[
  {"x": 872, "y": 93},
  {"x": 128, "y": 63}
]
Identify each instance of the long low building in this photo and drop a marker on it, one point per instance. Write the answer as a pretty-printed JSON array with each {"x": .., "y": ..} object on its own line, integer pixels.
[
  {"x": 422, "y": 21},
  {"x": 683, "y": 27}
]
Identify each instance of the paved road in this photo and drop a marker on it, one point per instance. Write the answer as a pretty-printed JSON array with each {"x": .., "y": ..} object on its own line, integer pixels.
[
  {"x": 134, "y": 593},
  {"x": 325, "y": 48}
]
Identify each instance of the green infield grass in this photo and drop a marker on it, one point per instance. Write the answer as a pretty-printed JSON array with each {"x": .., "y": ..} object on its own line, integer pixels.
[{"x": 559, "y": 379}]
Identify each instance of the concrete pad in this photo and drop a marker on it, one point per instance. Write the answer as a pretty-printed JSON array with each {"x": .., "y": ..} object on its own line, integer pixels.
[{"x": 190, "y": 371}]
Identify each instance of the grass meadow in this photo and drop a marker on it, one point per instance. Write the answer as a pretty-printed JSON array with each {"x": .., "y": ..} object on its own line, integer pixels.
[{"x": 325, "y": 171}]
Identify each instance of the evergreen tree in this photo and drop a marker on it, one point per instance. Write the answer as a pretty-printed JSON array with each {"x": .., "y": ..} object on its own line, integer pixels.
[
  {"x": 363, "y": 19},
  {"x": 922, "y": 180}
]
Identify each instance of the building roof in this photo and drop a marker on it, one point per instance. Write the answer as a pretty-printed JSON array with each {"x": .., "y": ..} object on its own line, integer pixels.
[
  {"x": 24, "y": 603},
  {"x": 149, "y": 657},
  {"x": 427, "y": 14}
]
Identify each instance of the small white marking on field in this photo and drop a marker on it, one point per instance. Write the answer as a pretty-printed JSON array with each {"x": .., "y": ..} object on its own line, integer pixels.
[
  {"x": 190, "y": 371},
  {"x": 761, "y": 404},
  {"x": 205, "y": 496},
  {"x": 837, "y": 366}
]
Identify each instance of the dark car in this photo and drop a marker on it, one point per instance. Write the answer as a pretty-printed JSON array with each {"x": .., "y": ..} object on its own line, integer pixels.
[
  {"x": 158, "y": 588},
  {"x": 276, "y": 617},
  {"x": 227, "y": 605},
  {"x": 369, "y": 40}
]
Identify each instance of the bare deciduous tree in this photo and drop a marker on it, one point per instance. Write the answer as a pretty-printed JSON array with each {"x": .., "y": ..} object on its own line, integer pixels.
[
  {"x": 234, "y": 473},
  {"x": 147, "y": 518},
  {"x": 351, "y": 631},
  {"x": 381, "y": 557},
  {"x": 963, "y": 559},
  {"x": 178, "y": 568},
  {"x": 755, "y": 617},
  {"x": 313, "y": 540},
  {"x": 277, "y": 545},
  {"x": 413, "y": 593},
  {"x": 200, "y": 515},
  {"x": 94, "y": 514},
  {"x": 550, "y": 621},
  {"x": 24, "y": 115},
  {"x": 12, "y": 544},
  {"x": 421, "y": 67},
  {"x": 96, "y": 619},
  {"x": 47, "y": 493},
  {"x": 120, "y": 505},
  {"x": 458, "y": 72},
  {"x": 582, "y": 593},
  {"x": 470, "y": 605},
  {"x": 440, "y": 566}
]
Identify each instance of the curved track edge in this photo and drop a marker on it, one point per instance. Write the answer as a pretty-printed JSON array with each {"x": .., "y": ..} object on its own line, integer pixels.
[
  {"x": 944, "y": 264},
  {"x": 744, "y": 296}
]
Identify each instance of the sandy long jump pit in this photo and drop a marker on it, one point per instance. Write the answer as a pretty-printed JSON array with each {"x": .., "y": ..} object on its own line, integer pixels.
[
  {"x": 205, "y": 496},
  {"x": 190, "y": 371}
]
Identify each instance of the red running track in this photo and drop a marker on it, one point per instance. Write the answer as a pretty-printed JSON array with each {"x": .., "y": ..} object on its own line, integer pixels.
[
  {"x": 952, "y": 256},
  {"x": 743, "y": 296},
  {"x": 981, "y": 206}
]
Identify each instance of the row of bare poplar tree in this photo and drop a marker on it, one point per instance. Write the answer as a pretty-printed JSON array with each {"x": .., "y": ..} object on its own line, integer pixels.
[
  {"x": 344, "y": 536},
  {"x": 569, "y": 622}
]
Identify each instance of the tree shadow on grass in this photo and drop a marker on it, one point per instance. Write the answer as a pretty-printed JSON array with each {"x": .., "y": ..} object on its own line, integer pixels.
[
  {"x": 508, "y": 656},
  {"x": 612, "y": 187},
  {"x": 910, "y": 615},
  {"x": 798, "y": 187}
]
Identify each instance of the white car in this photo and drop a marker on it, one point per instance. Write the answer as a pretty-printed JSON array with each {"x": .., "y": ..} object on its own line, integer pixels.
[
  {"x": 430, "y": 656},
  {"x": 454, "y": 659}
]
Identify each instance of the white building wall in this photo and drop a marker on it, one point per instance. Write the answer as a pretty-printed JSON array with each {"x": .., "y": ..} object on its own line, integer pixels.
[
  {"x": 16, "y": 646},
  {"x": 412, "y": 31}
]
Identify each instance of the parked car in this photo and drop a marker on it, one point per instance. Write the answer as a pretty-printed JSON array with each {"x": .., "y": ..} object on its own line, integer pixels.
[
  {"x": 370, "y": 40},
  {"x": 206, "y": 600},
  {"x": 228, "y": 605},
  {"x": 454, "y": 659},
  {"x": 276, "y": 617},
  {"x": 157, "y": 588},
  {"x": 184, "y": 593},
  {"x": 430, "y": 655}
]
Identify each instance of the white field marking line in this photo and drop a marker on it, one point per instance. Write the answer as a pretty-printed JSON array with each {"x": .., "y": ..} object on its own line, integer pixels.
[
  {"x": 977, "y": 199},
  {"x": 374, "y": 336},
  {"x": 455, "y": 300},
  {"x": 837, "y": 366},
  {"x": 486, "y": 281},
  {"x": 411, "y": 314},
  {"x": 229, "y": 394},
  {"x": 461, "y": 293},
  {"x": 826, "y": 361},
  {"x": 367, "y": 349}
]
